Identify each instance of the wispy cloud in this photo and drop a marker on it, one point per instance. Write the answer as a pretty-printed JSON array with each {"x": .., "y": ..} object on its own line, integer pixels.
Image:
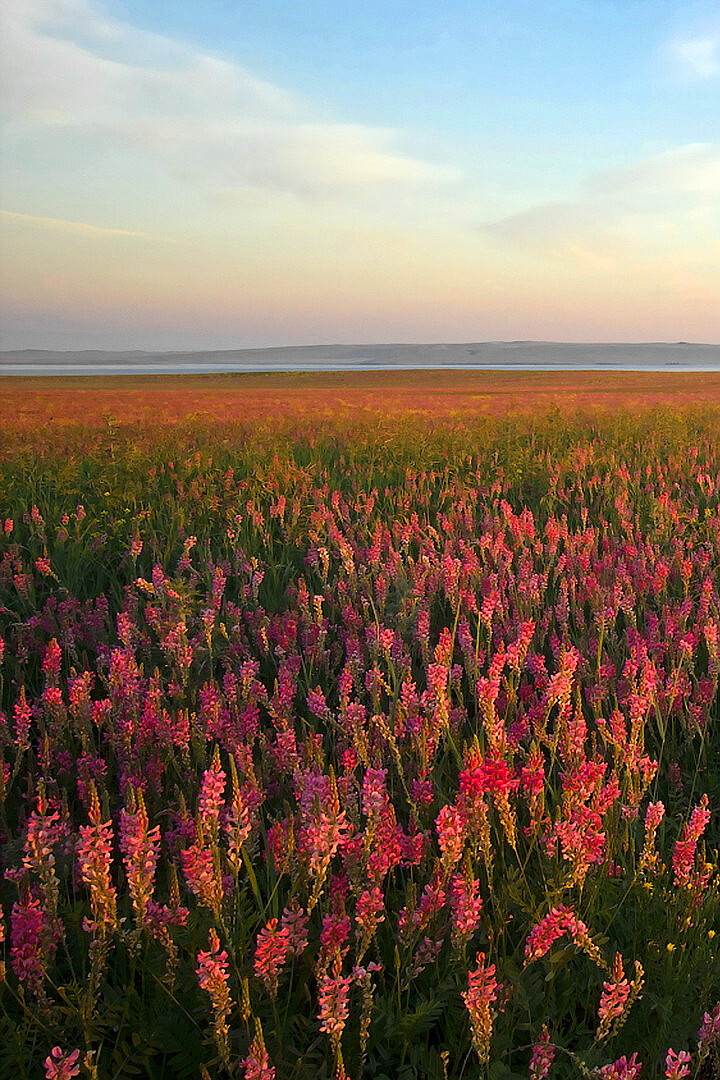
[
  {"x": 660, "y": 205},
  {"x": 692, "y": 169},
  {"x": 38, "y": 221},
  {"x": 68, "y": 65},
  {"x": 693, "y": 52},
  {"x": 699, "y": 57}
]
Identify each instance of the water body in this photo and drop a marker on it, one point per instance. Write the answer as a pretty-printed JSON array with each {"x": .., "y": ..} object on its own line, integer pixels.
[{"x": 479, "y": 356}]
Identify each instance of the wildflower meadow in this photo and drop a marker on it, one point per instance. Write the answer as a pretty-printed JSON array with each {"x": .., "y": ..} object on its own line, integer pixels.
[{"x": 375, "y": 746}]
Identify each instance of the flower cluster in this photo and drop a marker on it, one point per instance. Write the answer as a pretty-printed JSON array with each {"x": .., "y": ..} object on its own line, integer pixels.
[{"x": 325, "y": 730}]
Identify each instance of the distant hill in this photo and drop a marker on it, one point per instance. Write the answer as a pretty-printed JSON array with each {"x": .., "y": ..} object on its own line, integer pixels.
[{"x": 483, "y": 354}]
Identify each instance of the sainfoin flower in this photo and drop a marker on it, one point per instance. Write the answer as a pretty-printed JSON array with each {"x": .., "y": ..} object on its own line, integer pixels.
[
  {"x": 543, "y": 1055},
  {"x": 202, "y": 876},
  {"x": 271, "y": 952},
  {"x": 295, "y": 921},
  {"x": 43, "y": 831},
  {"x": 480, "y": 998},
  {"x": 683, "y": 859},
  {"x": 33, "y": 940},
  {"x": 369, "y": 913},
  {"x": 210, "y": 799},
  {"x": 677, "y": 1065},
  {"x": 451, "y": 826},
  {"x": 560, "y": 920},
  {"x": 709, "y": 1032},
  {"x": 653, "y": 816},
  {"x": 61, "y": 1066},
  {"x": 257, "y": 1062},
  {"x": 212, "y": 976},
  {"x": 94, "y": 860},
  {"x": 334, "y": 1007},
  {"x": 617, "y": 998},
  {"x": 140, "y": 846},
  {"x": 623, "y": 1069},
  {"x": 465, "y": 906}
]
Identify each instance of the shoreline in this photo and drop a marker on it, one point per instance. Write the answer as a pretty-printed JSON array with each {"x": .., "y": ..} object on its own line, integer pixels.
[
  {"x": 17, "y": 371},
  {"x": 481, "y": 356}
]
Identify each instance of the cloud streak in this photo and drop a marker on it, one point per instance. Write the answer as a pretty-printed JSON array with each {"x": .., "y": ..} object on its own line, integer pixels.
[
  {"x": 68, "y": 66},
  {"x": 38, "y": 221},
  {"x": 664, "y": 204},
  {"x": 697, "y": 58}
]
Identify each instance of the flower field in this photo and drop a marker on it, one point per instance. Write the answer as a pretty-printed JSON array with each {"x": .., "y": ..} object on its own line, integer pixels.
[{"x": 380, "y": 744}]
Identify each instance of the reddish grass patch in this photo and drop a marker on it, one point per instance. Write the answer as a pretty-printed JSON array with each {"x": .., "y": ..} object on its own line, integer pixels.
[{"x": 27, "y": 403}]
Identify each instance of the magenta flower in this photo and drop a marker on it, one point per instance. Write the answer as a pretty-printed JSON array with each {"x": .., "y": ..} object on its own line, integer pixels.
[
  {"x": 61, "y": 1066},
  {"x": 480, "y": 998},
  {"x": 559, "y": 921},
  {"x": 334, "y": 1007},
  {"x": 272, "y": 950},
  {"x": 257, "y": 1062},
  {"x": 677, "y": 1065},
  {"x": 140, "y": 846},
  {"x": 683, "y": 859},
  {"x": 543, "y": 1055}
]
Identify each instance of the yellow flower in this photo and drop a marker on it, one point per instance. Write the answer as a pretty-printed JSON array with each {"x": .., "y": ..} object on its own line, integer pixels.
[{"x": 670, "y": 946}]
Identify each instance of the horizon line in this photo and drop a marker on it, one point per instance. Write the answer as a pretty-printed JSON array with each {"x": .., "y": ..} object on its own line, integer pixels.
[{"x": 362, "y": 345}]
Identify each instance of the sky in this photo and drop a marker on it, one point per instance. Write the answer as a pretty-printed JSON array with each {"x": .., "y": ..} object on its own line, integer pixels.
[{"x": 203, "y": 174}]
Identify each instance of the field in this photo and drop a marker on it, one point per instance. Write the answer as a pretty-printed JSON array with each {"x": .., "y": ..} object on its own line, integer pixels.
[{"x": 360, "y": 726}]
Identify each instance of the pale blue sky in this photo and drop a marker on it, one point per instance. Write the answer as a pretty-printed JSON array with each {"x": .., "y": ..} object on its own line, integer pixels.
[{"x": 230, "y": 173}]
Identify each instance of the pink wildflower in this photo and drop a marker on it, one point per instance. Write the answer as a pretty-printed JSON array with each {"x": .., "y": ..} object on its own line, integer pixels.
[
  {"x": 94, "y": 859},
  {"x": 559, "y": 921},
  {"x": 487, "y": 775},
  {"x": 622, "y": 1069},
  {"x": 237, "y": 828},
  {"x": 479, "y": 998},
  {"x": 61, "y": 1066},
  {"x": 709, "y": 1033},
  {"x": 683, "y": 858},
  {"x": 42, "y": 834},
  {"x": 465, "y": 906},
  {"x": 369, "y": 912},
  {"x": 52, "y": 661},
  {"x": 374, "y": 792},
  {"x": 677, "y": 1066},
  {"x": 653, "y": 816},
  {"x": 295, "y": 921},
  {"x": 22, "y": 715},
  {"x": 202, "y": 876},
  {"x": 140, "y": 846},
  {"x": 210, "y": 799},
  {"x": 333, "y": 999},
  {"x": 334, "y": 934},
  {"x": 451, "y": 826},
  {"x": 271, "y": 952},
  {"x": 33, "y": 941},
  {"x": 257, "y": 1063},
  {"x": 212, "y": 976},
  {"x": 617, "y": 998},
  {"x": 543, "y": 1055}
]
